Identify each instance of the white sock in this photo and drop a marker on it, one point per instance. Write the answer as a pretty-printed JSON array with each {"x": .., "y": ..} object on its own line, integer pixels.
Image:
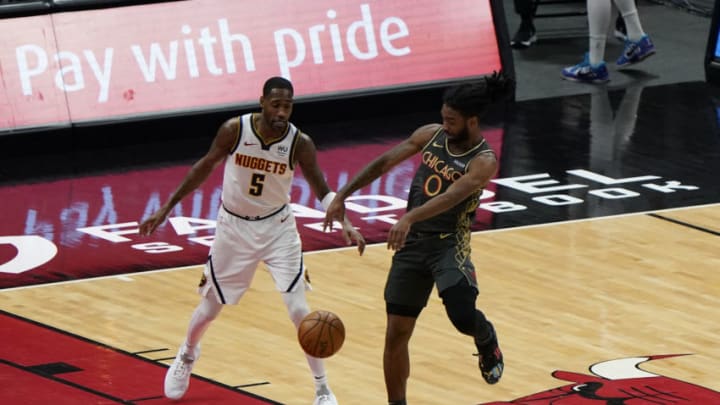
[
  {"x": 596, "y": 53},
  {"x": 632, "y": 19},
  {"x": 599, "y": 13},
  {"x": 321, "y": 385}
]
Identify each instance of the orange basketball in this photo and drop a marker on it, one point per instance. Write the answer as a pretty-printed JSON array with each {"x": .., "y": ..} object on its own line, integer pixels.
[{"x": 321, "y": 334}]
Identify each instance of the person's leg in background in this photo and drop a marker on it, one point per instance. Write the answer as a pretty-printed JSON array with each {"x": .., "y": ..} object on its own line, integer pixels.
[
  {"x": 599, "y": 15},
  {"x": 592, "y": 69},
  {"x": 525, "y": 35},
  {"x": 620, "y": 30},
  {"x": 628, "y": 11}
]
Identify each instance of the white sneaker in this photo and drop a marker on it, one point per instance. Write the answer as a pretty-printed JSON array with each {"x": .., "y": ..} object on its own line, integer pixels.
[
  {"x": 325, "y": 397},
  {"x": 177, "y": 378}
]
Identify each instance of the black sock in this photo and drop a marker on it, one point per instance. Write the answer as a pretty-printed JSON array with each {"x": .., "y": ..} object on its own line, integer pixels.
[{"x": 400, "y": 402}]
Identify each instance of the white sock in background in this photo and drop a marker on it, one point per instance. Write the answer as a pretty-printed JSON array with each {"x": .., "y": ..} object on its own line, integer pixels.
[
  {"x": 632, "y": 18},
  {"x": 599, "y": 12}
]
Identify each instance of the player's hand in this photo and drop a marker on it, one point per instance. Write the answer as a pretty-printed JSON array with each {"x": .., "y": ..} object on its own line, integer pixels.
[
  {"x": 351, "y": 234},
  {"x": 398, "y": 233},
  {"x": 335, "y": 212},
  {"x": 149, "y": 225}
]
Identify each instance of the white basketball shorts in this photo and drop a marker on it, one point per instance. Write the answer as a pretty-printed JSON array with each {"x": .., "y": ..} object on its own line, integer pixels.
[{"x": 239, "y": 247}]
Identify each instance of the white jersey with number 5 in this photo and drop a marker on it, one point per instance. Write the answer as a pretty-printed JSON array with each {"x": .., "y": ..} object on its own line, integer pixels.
[{"x": 258, "y": 176}]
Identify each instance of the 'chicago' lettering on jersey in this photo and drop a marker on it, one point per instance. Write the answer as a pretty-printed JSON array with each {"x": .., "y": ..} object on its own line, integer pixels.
[
  {"x": 440, "y": 167},
  {"x": 256, "y": 163}
]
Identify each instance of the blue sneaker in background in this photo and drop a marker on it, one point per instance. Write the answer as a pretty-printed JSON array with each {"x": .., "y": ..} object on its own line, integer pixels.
[
  {"x": 636, "y": 51},
  {"x": 586, "y": 73}
]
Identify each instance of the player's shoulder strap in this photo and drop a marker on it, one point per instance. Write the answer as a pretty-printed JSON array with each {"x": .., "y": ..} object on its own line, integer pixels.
[
  {"x": 481, "y": 149},
  {"x": 238, "y": 134},
  {"x": 293, "y": 147}
]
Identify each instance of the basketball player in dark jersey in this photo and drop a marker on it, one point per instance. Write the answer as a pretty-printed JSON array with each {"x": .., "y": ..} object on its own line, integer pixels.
[{"x": 432, "y": 239}]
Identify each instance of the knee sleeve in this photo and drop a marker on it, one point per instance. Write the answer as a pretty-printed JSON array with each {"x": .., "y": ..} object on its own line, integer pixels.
[{"x": 459, "y": 304}]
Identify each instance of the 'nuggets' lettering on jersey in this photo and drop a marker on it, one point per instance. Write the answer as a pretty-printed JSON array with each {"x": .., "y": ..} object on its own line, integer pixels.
[
  {"x": 258, "y": 176},
  {"x": 440, "y": 166},
  {"x": 256, "y": 163}
]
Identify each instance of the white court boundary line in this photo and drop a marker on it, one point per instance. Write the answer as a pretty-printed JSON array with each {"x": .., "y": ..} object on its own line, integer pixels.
[{"x": 128, "y": 276}]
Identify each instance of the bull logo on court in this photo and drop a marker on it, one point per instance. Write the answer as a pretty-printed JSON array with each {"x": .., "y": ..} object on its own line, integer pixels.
[{"x": 620, "y": 382}]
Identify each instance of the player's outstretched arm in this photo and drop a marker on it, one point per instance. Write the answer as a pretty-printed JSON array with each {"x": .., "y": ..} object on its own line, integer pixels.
[
  {"x": 376, "y": 168},
  {"x": 306, "y": 156},
  {"x": 224, "y": 140}
]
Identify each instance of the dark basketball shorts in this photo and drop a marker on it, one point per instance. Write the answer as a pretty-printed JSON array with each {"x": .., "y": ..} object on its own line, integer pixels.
[{"x": 424, "y": 262}]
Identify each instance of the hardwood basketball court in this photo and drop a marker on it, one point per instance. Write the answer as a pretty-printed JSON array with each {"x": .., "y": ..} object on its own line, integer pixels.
[
  {"x": 596, "y": 244},
  {"x": 562, "y": 297}
]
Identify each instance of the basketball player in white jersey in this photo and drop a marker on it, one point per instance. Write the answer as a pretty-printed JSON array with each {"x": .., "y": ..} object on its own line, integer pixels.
[{"x": 260, "y": 152}]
